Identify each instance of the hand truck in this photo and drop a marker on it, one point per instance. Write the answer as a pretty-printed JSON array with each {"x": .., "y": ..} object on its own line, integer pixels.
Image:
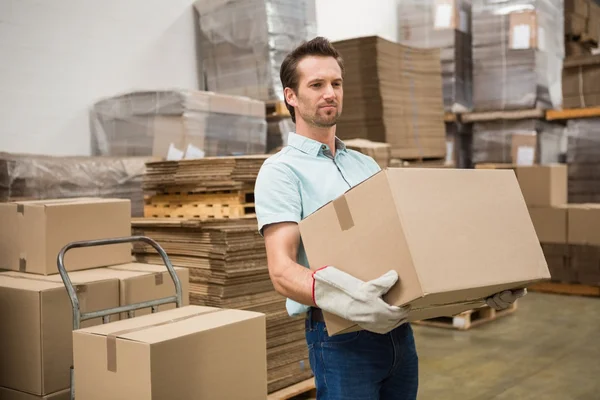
[{"x": 79, "y": 316}]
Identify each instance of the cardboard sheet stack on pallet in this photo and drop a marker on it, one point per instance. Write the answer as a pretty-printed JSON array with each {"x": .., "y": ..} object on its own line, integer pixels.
[
  {"x": 36, "y": 344},
  {"x": 583, "y": 156},
  {"x": 581, "y": 81},
  {"x": 582, "y": 27},
  {"x": 37, "y": 177},
  {"x": 518, "y": 49},
  {"x": 222, "y": 248},
  {"x": 393, "y": 94}
]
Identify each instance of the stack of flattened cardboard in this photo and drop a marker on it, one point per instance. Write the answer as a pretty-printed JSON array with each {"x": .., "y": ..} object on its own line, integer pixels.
[
  {"x": 228, "y": 268},
  {"x": 37, "y": 177},
  {"x": 444, "y": 24},
  {"x": 583, "y": 156},
  {"x": 521, "y": 142},
  {"x": 393, "y": 94},
  {"x": 244, "y": 42},
  {"x": 581, "y": 82},
  {"x": 380, "y": 152},
  {"x": 582, "y": 26},
  {"x": 36, "y": 332},
  {"x": 518, "y": 49},
  {"x": 178, "y": 124}
]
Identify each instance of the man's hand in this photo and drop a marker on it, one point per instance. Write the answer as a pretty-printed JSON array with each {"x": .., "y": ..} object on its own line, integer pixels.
[
  {"x": 503, "y": 300},
  {"x": 341, "y": 294}
]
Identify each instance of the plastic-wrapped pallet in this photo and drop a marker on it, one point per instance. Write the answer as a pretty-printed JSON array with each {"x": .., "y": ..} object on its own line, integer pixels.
[
  {"x": 521, "y": 142},
  {"x": 583, "y": 157},
  {"x": 39, "y": 177},
  {"x": 178, "y": 123},
  {"x": 244, "y": 42},
  {"x": 444, "y": 24},
  {"x": 518, "y": 50}
]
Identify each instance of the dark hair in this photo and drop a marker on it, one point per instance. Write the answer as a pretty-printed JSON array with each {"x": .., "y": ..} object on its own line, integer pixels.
[{"x": 318, "y": 46}]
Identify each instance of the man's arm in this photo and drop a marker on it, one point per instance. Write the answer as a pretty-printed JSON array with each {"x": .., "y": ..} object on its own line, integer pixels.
[{"x": 290, "y": 279}]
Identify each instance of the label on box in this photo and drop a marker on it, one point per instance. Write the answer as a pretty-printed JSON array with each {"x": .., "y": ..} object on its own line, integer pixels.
[
  {"x": 525, "y": 155},
  {"x": 174, "y": 154},
  {"x": 523, "y": 30},
  {"x": 444, "y": 14},
  {"x": 521, "y": 37}
]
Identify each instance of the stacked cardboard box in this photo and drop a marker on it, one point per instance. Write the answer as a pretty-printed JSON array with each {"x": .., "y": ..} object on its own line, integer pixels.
[
  {"x": 244, "y": 42},
  {"x": 178, "y": 124},
  {"x": 518, "y": 49},
  {"x": 583, "y": 156},
  {"x": 522, "y": 142},
  {"x": 580, "y": 79},
  {"x": 393, "y": 94},
  {"x": 380, "y": 152},
  {"x": 471, "y": 222},
  {"x": 446, "y": 25},
  {"x": 37, "y": 177},
  {"x": 582, "y": 26}
]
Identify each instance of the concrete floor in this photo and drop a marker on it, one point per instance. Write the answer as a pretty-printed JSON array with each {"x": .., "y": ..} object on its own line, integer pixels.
[{"x": 548, "y": 349}]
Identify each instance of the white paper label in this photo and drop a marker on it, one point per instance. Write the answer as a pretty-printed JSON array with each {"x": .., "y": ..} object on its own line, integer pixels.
[
  {"x": 443, "y": 16},
  {"x": 541, "y": 42},
  {"x": 525, "y": 155},
  {"x": 521, "y": 36},
  {"x": 192, "y": 152},
  {"x": 463, "y": 25},
  {"x": 174, "y": 154}
]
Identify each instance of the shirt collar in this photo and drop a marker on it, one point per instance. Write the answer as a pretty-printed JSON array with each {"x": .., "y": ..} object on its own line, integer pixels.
[{"x": 310, "y": 146}]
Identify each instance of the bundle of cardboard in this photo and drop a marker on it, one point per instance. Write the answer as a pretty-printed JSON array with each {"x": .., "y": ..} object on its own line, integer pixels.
[
  {"x": 583, "y": 156},
  {"x": 393, "y": 94},
  {"x": 582, "y": 26},
  {"x": 228, "y": 269},
  {"x": 581, "y": 83},
  {"x": 380, "y": 152},
  {"x": 518, "y": 49},
  {"x": 37, "y": 177},
  {"x": 521, "y": 142},
  {"x": 244, "y": 42},
  {"x": 178, "y": 124},
  {"x": 445, "y": 25}
]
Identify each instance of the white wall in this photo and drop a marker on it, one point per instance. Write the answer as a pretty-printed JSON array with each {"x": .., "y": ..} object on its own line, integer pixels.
[
  {"x": 346, "y": 19},
  {"x": 57, "y": 57}
]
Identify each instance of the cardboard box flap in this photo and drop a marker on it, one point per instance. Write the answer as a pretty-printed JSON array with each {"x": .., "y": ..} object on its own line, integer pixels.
[
  {"x": 77, "y": 277},
  {"x": 67, "y": 201},
  {"x": 141, "y": 268},
  {"x": 32, "y": 283}
]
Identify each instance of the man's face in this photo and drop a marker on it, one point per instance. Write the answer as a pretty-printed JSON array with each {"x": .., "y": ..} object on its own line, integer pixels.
[{"x": 318, "y": 100}]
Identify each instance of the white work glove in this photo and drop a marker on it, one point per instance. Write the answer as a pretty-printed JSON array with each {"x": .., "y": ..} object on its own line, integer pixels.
[
  {"x": 342, "y": 294},
  {"x": 503, "y": 300}
]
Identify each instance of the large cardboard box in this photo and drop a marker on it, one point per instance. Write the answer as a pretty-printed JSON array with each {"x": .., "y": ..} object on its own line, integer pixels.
[
  {"x": 32, "y": 233},
  {"x": 455, "y": 236},
  {"x": 9, "y": 394},
  {"x": 543, "y": 185},
  {"x": 35, "y": 332},
  {"x": 186, "y": 353},
  {"x": 550, "y": 224},
  {"x": 584, "y": 223},
  {"x": 144, "y": 282}
]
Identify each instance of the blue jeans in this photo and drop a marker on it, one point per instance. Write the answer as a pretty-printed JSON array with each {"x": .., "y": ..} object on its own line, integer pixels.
[{"x": 363, "y": 365}]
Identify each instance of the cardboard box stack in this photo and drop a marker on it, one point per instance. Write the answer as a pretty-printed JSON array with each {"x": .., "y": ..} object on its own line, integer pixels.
[
  {"x": 583, "y": 156},
  {"x": 455, "y": 237},
  {"x": 393, "y": 94},
  {"x": 244, "y": 42},
  {"x": 223, "y": 250},
  {"x": 380, "y": 152},
  {"x": 37, "y": 177},
  {"x": 581, "y": 77},
  {"x": 444, "y": 24},
  {"x": 518, "y": 50},
  {"x": 178, "y": 124},
  {"x": 582, "y": 26},
  {"x": 521, "y": 142}
]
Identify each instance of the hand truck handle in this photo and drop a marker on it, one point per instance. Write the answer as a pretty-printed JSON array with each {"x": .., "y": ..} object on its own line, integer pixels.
[{"x": 78, "y": 316}]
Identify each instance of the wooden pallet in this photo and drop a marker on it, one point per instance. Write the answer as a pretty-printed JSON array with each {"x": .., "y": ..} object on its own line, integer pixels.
[
  {"x": 276, "y": 109},
  {"x": 468, "y": 319},
  {"x": 302, "y": 390},
  {"x": 566, "y": 288},
  {"x": 221, "y": 204}
]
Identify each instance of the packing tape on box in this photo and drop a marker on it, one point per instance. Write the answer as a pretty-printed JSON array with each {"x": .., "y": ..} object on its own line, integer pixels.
[
  {"x": 21, "y": 209},
  {"x": 111, "y": 339},
  {"x": 158, "y": 276},
  {"x": 23, "y": 263},
  {"x": 343, "y": 213}
]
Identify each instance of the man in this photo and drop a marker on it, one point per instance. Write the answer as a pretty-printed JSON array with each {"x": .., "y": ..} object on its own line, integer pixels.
[{"x": 380, "y": 361}]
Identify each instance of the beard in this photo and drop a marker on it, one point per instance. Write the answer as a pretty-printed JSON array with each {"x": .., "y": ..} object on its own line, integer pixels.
[{"x": 322, "y": 118}]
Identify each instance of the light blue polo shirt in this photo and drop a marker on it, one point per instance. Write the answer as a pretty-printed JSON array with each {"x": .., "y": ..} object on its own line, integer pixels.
[{"x": 300, "y": 179}]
